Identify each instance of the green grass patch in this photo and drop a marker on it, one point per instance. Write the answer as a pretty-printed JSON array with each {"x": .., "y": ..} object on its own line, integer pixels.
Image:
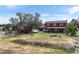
[{"x": 77, "y": 33}]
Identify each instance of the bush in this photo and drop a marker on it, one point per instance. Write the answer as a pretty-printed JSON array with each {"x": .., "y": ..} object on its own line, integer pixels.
[{"x": 71, "y": 29}]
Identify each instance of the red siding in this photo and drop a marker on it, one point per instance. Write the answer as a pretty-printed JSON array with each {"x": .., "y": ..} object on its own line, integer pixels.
[{"x": 55, "y": 24}]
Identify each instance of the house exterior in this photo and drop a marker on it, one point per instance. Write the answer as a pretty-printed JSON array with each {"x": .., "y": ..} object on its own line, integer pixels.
[{"x": 54, "y": 26}]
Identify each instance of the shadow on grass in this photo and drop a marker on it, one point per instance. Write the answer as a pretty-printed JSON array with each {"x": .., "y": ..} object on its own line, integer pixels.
[
  {"x": 29, "y": 33},
  {"x": 42, "y": 44}
]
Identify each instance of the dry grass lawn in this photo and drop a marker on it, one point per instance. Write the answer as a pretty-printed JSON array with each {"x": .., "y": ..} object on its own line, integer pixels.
[{"x": 6, "y": 46}]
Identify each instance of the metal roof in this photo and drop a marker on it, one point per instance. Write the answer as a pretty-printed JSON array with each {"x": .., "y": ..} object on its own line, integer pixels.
[
  {"x": 56, "y": 27},
  {"x": 64, "y": 21}
]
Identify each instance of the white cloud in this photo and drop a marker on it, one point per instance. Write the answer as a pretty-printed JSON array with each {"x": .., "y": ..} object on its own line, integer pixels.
[
  {"x": 73, "y": 10},
  {"x": 15, "y": 6},
  {"x": 44, "y": 15},
  {"x": 53, "y": 17},
  {"x": 5, "y": 18},
  {"x": 60, "y": 15},
  {"x": 10, "y": 6},
  {"x": 57, "y": 18}
]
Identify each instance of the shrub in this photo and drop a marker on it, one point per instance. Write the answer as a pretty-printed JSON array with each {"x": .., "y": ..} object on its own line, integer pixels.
[{"x": 71, "y": 29}]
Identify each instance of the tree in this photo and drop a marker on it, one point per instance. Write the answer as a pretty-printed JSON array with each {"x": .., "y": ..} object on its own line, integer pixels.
[
  {"x": 14, "y": 22},
  {"x": 37, "y": 22},
  {"x": 6, "y": 27},
  {"x": 78, "y": 22},
  {"x": 26, "y": 21},
  {"x": 71, "y": 28},
  {"x": 74, "y": 20}
]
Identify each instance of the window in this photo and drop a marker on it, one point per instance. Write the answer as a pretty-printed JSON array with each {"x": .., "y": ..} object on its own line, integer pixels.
[
  {"x": 54, "y": 24},
  {"x": 61, "y": 24},
  {"x": 48, "y": 24}
]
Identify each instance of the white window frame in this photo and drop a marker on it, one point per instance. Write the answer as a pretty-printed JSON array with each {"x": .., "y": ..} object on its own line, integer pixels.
[
  {"x": 54, "y": 24},
  {"x": 48, "y": 24}
]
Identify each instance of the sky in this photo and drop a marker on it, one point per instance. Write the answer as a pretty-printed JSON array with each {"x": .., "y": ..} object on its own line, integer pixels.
[{"x": 47, "y": 12}]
